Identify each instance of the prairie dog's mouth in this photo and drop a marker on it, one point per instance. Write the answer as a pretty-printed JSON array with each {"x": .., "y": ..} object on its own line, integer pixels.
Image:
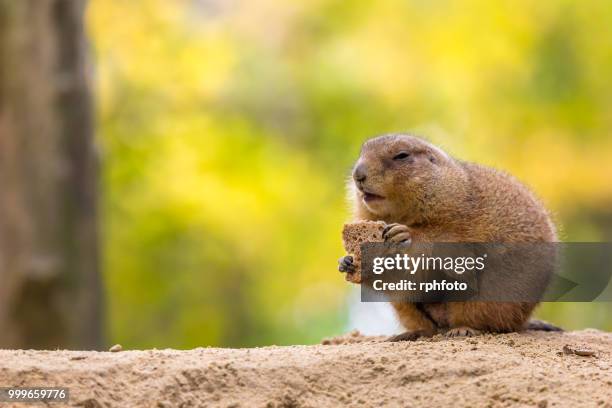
[{"x": 368, "y": 196}]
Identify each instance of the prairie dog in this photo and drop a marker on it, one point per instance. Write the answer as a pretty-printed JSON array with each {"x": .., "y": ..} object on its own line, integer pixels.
[{"x": 426, "y": 195}]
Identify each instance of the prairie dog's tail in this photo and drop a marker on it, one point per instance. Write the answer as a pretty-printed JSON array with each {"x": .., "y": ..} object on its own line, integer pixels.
[{"x": 541, "y": 325}]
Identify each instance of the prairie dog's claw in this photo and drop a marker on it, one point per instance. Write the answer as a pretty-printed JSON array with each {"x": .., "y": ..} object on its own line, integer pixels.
[{"x": 462, "y": 332}]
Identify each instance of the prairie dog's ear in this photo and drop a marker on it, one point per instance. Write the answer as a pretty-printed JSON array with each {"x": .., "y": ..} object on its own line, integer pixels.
[{"x": 436, "y": 150}]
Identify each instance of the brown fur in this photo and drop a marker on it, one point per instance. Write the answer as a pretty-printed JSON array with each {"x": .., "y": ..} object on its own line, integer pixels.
[{"x": 441, "y": 199}]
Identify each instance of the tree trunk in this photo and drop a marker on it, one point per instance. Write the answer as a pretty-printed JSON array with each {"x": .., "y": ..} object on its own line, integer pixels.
[{"x": 50, "y": 290}]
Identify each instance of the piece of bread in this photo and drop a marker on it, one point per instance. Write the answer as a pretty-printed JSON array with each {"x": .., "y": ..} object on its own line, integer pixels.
[{"x": 356, "y": 233}]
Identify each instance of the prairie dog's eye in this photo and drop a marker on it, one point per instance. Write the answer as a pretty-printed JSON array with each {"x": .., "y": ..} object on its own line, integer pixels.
[{"x": 401, "y": 156}]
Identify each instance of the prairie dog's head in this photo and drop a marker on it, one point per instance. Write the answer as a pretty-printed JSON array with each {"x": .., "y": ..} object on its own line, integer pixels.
[{"x": 397, "y": 175}]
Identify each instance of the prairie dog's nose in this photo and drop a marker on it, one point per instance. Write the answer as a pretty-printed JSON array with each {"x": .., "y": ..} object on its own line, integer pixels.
[{"x": 360, "y": 172}]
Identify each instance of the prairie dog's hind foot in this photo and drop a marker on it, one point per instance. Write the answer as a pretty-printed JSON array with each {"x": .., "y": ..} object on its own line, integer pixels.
[
  {"x": 411, "y": 335},
  {"x": 462, "y": 331}
]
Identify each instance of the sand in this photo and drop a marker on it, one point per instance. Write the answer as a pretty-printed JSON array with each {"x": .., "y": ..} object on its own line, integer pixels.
[{"x": 529, "y": 369}]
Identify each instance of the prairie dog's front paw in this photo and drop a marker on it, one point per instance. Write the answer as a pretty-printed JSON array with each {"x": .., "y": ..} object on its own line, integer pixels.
[
  {"x": 396, "y": 233},
  {"x": 346, "y": 264}
]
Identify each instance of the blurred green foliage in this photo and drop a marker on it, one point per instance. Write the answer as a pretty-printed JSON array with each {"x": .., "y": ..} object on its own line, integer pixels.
[{"x": 228, "y": 129}]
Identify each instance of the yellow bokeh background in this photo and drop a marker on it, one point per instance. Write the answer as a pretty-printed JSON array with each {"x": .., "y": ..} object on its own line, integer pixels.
[{"x": 227, "y": 130}]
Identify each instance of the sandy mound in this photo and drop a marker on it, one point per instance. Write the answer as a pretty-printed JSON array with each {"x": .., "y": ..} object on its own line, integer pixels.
[{"x": 530, "y": 369}]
